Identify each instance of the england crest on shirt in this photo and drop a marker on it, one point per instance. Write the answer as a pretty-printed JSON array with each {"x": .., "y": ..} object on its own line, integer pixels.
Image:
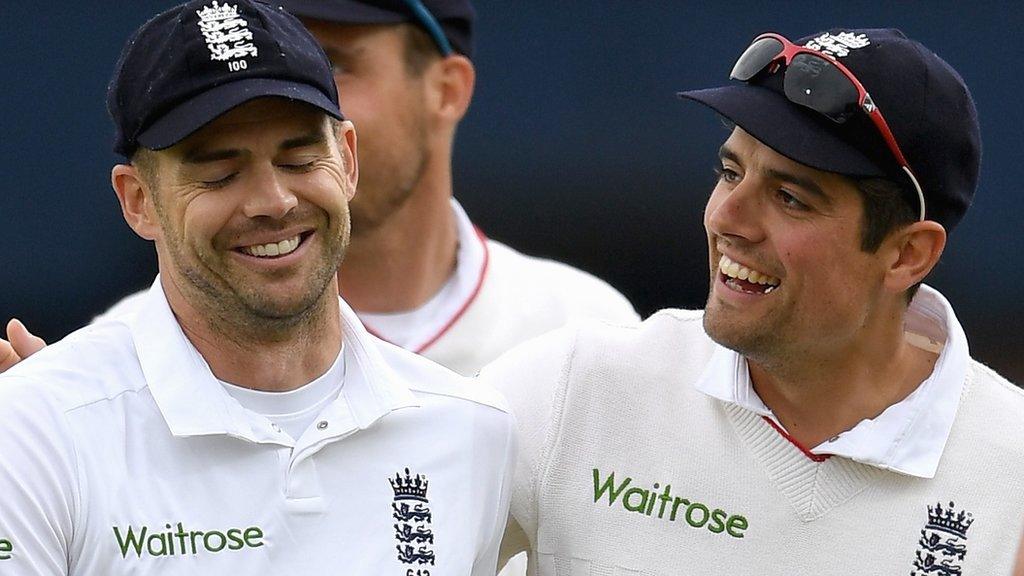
[
  {"x": 943, "y": 543},
  {"x": 411, "y": 510}
]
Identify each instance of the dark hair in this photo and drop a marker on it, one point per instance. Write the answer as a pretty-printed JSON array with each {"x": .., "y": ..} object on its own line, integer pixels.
[
  {"x": 886, "y": 209},
  {"x": 420, "y": 50}
]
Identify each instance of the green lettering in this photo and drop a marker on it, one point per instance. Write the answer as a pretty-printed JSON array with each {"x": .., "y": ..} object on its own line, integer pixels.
[
  {"x": 653, "y": 497},
  {"x": 639, "y": 507},
  {"x": 218, "y": 548},
  {"x": 131, "y": 541},
  {"x": 689, "y": 514},
  {"x": 6, "y": 548},
  {"x": 665, "y": 499},
  {"x": 717, "y": 521},
  {"x": 252, "y": 537},
  {"x": 170, "y": 539},
  {"x": 235, "y": 539},
  {"x": 181, "y": 535},
  {"x": 735, "y": 526},
  {"x": 192, "y": 538},
  {"x": 675, "y": 506},
  {"x": 154, "y": 538},
  {"x": 613, "y": 493}
]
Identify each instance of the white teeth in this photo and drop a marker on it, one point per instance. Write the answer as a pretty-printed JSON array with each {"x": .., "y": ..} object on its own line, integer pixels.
[
  {"x": 274, "y": 248},
  {"x": 735, "y": 270}
]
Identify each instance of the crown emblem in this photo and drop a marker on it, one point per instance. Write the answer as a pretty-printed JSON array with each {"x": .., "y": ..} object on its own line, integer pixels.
[
  {"x": 217, "y": 12},
  {"x": 948, "y": 521},
  {"x": 838, "y": 45},
  {"x": 409, "y": 487}
]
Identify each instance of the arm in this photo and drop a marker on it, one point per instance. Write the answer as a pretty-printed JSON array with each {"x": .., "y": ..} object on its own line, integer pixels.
[
  {"x": 20, "y": 344},
  {"x": 37, "y": 486}
]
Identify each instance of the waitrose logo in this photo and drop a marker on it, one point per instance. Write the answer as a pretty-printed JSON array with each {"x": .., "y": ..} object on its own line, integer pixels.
[
  {"x": 6, "y": 549},
  {"x": 176, "y": 540},
  {"x": 659, "y": 502}
]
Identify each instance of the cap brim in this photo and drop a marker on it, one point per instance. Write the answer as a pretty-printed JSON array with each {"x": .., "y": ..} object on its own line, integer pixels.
[
  {"x": 800, "y": 135},
  {"x": 345, "y": 11},
  {"x": 191, "y": 115}
]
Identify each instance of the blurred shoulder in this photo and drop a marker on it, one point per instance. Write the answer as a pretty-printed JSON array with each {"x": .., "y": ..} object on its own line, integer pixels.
[{"x": 555, "y": 284}]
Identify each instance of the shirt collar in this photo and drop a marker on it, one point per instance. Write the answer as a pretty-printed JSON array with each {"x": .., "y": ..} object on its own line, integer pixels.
[
  {"x": 909, "y": 436},
  {"x": 193, "y": 402}
]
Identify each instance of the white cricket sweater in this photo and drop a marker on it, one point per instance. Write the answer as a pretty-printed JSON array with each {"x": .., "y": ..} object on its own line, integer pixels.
[{"x": 625, "y": 468}]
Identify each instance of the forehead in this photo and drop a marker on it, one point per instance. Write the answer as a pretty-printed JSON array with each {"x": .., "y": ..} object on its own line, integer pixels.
[
  {"x": 758, "y": 157},
  {"x": 334, "y": 36}
]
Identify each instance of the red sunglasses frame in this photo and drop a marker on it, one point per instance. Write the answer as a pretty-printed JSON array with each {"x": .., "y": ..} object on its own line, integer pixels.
[{"x": 864, "y": 101}]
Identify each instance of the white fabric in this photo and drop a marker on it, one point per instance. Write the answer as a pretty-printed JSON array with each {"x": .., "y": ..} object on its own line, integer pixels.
[
  {"x": 901, "y": 438},
  {"x": 293, "y": 411},
  {"x": 415, "y": 328},
  {"x": 121, "y": 426},
  {"x": 739, "y": 498}
]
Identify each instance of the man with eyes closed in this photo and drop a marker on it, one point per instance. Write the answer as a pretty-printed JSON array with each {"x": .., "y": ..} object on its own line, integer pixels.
[
  {"x": 822, "y": 414},
  {"x": 242, "y": 420},
  {"x": 418, "y": 272}
]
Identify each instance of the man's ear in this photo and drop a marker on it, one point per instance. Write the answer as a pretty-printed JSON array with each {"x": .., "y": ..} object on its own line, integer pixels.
[
  {"x": 347, "y": 147},
  {"x": 453, "y": 82},
  {"x": 136, "y": 200},
  {"x": 913, "y": 251}
]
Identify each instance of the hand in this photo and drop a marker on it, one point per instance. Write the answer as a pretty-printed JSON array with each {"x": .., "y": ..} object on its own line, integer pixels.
[{"x": 21, "y": 345}]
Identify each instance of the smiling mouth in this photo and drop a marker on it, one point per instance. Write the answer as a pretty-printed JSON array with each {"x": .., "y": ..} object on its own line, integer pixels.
[
  {"x": 274, "y": 249},
  {"x": 742, "y": 279}
]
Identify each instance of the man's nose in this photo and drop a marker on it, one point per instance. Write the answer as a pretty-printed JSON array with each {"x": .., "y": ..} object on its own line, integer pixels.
[
  {"x": 269, "y": 195},
  {"x": 736, "y": 213}
]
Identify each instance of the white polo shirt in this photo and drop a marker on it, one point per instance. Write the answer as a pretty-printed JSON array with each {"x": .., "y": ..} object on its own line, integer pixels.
[
  {"x": 909, "y": 436},
  {"x": 120, "y": 453}
]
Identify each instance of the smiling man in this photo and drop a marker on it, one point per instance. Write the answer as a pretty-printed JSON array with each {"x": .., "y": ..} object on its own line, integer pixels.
[
  {"x": 822, "y": 414},
  {"x": 241, "y": 420},
  {"x": 418, "y": 272}
]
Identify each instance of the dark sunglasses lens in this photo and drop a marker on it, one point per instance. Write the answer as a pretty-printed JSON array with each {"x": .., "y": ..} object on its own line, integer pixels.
[
  {"x": 755, "y": 58},
  {"x": 814, "y": 82}
]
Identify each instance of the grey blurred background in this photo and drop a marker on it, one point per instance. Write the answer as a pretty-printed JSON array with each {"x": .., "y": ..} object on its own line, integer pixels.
[{"x": 575, "y": 146}]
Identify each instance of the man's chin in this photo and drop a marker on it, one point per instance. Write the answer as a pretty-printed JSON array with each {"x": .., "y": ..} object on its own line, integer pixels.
[{"x": 729, "y": 333}]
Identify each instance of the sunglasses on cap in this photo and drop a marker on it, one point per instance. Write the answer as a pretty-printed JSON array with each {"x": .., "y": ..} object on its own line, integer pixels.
[
  {"x": 816, "y": 81},
  {"x": 425, "y": 19}
]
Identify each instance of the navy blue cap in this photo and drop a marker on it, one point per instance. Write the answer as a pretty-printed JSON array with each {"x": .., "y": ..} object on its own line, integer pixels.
[
  {"x": 196, "y": 61},
  {"x": 925, "y": 102},
  {"x": 456, "y": 17}
]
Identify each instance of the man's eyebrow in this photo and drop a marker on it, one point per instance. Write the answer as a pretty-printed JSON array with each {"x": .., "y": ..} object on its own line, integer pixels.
[
  {"x": 800, "y": 182},
  {"x": 311, "y": 139},
  {"x": 725, "y": 153}
]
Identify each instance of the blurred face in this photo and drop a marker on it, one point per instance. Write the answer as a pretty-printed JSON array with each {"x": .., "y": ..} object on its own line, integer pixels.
[
  {"x": 253, "y": 212},
  {"x": 788, "y": 276},
  {"x": 385, "y": 101}
]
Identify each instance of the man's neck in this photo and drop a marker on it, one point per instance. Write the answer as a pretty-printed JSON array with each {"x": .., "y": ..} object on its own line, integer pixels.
[
  {"x": 407, "y": 259},
  {"x": 270, "y": 361},
  {"x": 818, "y": 397}
]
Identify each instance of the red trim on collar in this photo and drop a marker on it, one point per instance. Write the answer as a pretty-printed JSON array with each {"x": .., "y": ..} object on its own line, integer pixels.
[
  {"x": 793, "y": 441},
  {"x": 472, "y": 296}
]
